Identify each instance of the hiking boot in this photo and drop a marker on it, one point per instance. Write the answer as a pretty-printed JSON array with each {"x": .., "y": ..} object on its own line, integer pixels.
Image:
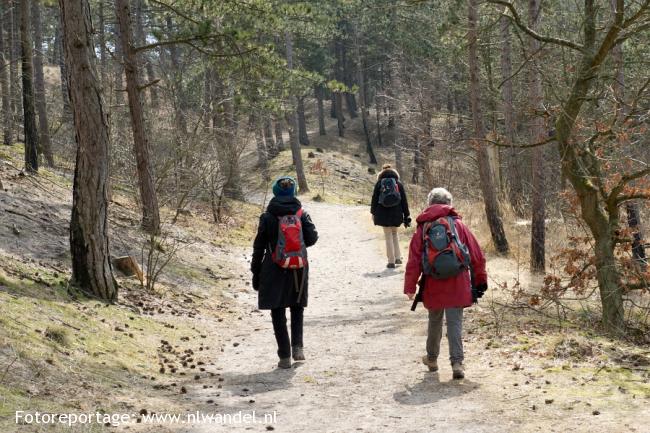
[
  {"x": 398, "y": 261},
  {"x": 458, "y": 370},
  {"x": 298, "y": 354},
  {"x": 284, "y": 363},
  {"x": 431, "y": 363},
  {"x": 391, "y": 266}
]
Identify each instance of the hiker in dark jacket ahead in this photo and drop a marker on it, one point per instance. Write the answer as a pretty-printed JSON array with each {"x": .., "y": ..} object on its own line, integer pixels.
[
  {"x": 390, "y": 209},
  {"x": 280, "y": 269}
]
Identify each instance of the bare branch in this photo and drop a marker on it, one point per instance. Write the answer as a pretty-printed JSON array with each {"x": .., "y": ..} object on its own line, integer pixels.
[
  {"x": 516, "y": 19},
  {"x": 616, "y": 197}
]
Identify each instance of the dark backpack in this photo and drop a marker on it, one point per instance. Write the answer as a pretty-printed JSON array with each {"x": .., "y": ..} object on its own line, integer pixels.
[
  {"x": 389, "y": 195},
  {"x": 444, "y": 256},
  {"x": 290, "y": 251}
]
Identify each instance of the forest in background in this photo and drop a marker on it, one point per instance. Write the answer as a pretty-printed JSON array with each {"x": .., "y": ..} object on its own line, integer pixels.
[{"x": 539, "y": 109}]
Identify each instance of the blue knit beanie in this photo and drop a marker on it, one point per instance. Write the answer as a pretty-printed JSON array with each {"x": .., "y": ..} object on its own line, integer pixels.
[{"x": 286, "y": 190}]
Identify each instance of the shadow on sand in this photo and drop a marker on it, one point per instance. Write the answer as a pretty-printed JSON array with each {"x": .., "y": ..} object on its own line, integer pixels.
[
  {"x": 258, "y": 383},
  {"x": 430, "y": 389}
]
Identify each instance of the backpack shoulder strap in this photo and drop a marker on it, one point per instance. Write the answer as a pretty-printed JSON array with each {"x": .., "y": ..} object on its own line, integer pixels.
[
  {"x": 452, "y": 227},
  {"x": 299, "y": 213},
  {"x": 425, "y": 230},
  {"x": 461, "y": 246}
]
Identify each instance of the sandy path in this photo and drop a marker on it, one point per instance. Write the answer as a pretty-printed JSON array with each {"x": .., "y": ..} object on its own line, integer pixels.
[
  {"x": 363, "y": 370},
  {"x": 362, "y": 345}
]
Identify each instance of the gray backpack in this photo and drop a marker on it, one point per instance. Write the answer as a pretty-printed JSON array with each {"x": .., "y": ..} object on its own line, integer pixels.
[{"x": 444, "y": 255}]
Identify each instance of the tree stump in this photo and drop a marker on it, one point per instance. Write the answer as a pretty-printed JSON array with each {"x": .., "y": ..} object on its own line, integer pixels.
[{"x": 128, "y": 266}]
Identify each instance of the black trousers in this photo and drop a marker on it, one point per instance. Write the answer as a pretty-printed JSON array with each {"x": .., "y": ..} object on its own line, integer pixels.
[{"x": 278, "y": 315}]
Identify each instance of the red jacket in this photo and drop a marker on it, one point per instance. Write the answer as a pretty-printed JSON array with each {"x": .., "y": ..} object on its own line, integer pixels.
[{"x": 452, "y": 292}]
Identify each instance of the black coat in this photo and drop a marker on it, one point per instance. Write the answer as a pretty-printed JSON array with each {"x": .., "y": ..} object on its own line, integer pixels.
[
  {"x": 277, "y": 286},
  {"x": 389, "y": 216}
]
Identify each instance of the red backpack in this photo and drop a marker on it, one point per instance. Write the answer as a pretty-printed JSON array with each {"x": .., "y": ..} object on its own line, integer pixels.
[{"x": 290, "y": 250}]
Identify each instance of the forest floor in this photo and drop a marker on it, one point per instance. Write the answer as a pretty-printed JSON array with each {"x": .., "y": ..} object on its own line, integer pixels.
[{"x": 198, "y": 342}]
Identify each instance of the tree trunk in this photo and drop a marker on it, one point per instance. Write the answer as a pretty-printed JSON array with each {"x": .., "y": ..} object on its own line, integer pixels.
[
  {"x": 7, "y": 117},
  {"x": 145, "y": 61},
  {"x": 39, "y": 85},
  {"x": 278, "y": 130},
  {"x": 89, "y": 241},
  {"x": 16, "y": 56},
  {"x": 302, "y": 123},
  {"x": 514, "y": 171},
  {"x": 233, "y": 187},
  {"x": 318, "y": 92},
  {"x": 348, "y": 74},
  {"x": 65, "y": 94},
  {"x": 537, "y": 135},
  {"x": 362, "y": 100},
  {"x": 29, "y": 114},
  {"x": 101, "y": 31},
  {"x": 260, "y": 145},
  {"x": 580, "y": 165},
  {"x": 118, "y": 69},
  {"x": 267, "y": 131},
  {"x": 150, "y": 212},
  {"x": 622, "y": 109},
  {"x": 12, "y": 58},
  {"x": 293, "y": 117},
  {"x": 634, "y": 223},
  {"x": 394, "y": 122},
  {"x": 340, "y": 120},
  {"x": 177, "y": 84},
  {"x": 492, "y": 210}
]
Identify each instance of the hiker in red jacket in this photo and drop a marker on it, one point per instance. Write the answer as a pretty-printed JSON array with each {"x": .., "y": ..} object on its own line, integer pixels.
[{"x": 454, "y": 275}]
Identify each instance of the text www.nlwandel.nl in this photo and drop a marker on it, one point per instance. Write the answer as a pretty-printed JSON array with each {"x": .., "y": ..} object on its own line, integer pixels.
[{"x": 116, "y": 419}]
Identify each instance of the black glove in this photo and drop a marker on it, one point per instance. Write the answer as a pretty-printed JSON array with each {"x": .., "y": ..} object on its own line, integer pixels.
[
  {"x": 256, "y": 281},
  {"x": 407, "y": 222},
  {"x": 478, "y": 291}
]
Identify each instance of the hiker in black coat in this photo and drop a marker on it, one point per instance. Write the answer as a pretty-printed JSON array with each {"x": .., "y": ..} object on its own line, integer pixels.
[
  {"x": 390, "y": 218},
  {"x": 278, "y": 288}
]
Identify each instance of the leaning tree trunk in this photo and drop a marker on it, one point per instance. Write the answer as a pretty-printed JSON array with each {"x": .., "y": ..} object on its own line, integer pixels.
[
  {"x": 293, "y": 117},
  {"x": 537, "y": 135},
  {"x": 150, "y": 211},
  {"x": 580, "y": 165},
  {"x": 29, "y": 114},
  {"x": 492, "y": 211},
  {"x": 89, "y": 241},
  {"x": 39, "y": 85},
  {"x": 5, "y": 55}
]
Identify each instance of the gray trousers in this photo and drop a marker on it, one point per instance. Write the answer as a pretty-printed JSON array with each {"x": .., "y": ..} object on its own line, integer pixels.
[{"x": 454, "y": 333}]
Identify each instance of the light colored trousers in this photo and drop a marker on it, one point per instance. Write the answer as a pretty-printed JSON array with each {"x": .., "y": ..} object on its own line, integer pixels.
[
  {"x": 392, "y": 244},
  {"x": 454, "y": 318}
]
